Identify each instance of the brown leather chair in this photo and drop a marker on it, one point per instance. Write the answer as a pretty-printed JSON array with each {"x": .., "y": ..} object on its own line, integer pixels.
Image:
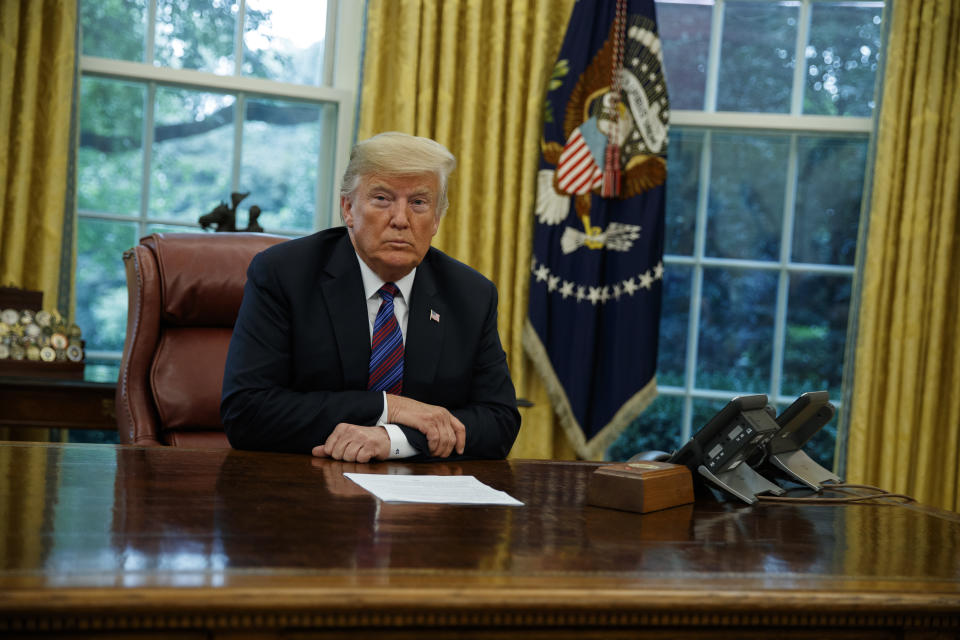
[{"x": 184, "y": 294}]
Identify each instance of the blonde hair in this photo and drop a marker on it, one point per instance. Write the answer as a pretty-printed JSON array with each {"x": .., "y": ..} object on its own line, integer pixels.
[{"x": 399, "y": 154}]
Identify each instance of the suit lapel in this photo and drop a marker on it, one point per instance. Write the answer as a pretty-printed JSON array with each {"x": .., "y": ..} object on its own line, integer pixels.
[
  {"x": 343, "y": 292},
  {"x": 424, "y": 330}
]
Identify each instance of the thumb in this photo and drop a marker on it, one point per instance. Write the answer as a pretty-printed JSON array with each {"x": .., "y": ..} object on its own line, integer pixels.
[{"x": 319, "y": 452}]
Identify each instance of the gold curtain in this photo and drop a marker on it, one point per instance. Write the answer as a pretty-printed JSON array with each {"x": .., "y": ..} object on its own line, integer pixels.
[
  {"x": 905, "y": 416},
  {"x": 37, "y": 55},
  {"x": 472, "y": 75}
]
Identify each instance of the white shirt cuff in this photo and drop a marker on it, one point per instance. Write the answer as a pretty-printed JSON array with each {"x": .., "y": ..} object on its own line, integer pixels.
[
  {"x": 399, "y": 446},
  {"x": 383, "y": 416}
]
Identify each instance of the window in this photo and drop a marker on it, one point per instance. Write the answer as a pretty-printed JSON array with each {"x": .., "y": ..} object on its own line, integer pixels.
[
  {"x": 183, "y": 102},
  {"x": 770, "y": 124}
]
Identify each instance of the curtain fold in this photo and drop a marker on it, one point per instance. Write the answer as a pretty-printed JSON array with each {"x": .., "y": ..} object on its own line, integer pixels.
[
  {"x": 472, "y": 75},
  {"x": 904, "y": 432},
  {"x": 37, "y": 65}
]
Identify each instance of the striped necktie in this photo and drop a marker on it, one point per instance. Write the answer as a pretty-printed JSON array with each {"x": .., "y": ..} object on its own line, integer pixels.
[{"x": 386, "y": 357}]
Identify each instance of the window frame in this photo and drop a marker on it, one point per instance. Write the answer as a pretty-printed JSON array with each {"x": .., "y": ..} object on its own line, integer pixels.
[
  {"x": 340, "y": 76},
  {"x": 709, "y": 121}
]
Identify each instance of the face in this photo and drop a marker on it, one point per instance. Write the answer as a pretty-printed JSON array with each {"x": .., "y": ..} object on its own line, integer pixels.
[{"x": 391, "y": 220}]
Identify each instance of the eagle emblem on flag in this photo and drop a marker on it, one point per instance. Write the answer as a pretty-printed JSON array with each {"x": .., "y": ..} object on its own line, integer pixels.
[{"x": 629, "y": 114}]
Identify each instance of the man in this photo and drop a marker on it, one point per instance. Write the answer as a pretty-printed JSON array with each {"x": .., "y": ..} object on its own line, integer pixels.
[{"x": 364, "y": 343}]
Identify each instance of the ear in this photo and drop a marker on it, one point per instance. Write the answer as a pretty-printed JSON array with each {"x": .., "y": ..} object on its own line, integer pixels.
[{"x": 346, "y": 211}]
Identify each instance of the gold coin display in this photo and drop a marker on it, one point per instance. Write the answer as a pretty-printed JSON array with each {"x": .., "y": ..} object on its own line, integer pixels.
[
  {"x": 48, "y": 354},
  {"x": 9, "y": 316},
  {"x": 4, "y": 352},
  {"x": 74, "y": 353},
  {"x": 33, "y": 352},
  {"x": 58, "y": 341}
]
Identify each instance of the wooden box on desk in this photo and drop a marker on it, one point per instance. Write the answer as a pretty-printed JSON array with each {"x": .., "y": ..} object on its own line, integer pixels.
[{"x": 640, "y": 486}]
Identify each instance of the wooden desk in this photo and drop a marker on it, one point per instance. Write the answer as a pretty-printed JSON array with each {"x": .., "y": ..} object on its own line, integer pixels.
[
  {"x": 188, "y": 543},
  {"x": 51, "y": 403}
]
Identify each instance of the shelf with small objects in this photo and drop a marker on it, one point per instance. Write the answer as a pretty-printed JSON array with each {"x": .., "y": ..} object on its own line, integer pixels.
[{"x": 37, "y": 343}]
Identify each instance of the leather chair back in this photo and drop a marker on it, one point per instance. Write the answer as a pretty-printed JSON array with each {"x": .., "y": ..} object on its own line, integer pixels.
[{"x": 184, "y": 293}]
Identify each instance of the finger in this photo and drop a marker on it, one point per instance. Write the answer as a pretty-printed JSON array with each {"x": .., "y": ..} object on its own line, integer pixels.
[
  {"x": 363, "y": 454},
  {"x": 336, "y": 443},
  {"x": 337, "y": 440},
  {"x": 319, "y": 452},
  {"x": 447, "y": 441},
  {"x": 340, "y": 450},
  {"x": 433, "y": 438},
  {"x": 455, "y": 435},
  {"x": 350, "y": 450},
  {"x": 461, "y": 435}
]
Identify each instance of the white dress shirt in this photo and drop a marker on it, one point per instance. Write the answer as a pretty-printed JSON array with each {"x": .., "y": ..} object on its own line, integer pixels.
[{"x": 399, "y": 445}]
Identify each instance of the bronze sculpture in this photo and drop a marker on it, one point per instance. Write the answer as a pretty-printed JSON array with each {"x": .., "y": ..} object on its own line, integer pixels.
[{"x": 224, "y": 217}]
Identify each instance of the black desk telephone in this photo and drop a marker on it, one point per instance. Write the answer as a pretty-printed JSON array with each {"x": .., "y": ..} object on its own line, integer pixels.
[{"x": 746, "y": 436}]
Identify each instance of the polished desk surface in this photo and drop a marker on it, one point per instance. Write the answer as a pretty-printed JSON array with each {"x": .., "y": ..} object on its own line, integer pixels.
[{"x": 232, "y": 538}]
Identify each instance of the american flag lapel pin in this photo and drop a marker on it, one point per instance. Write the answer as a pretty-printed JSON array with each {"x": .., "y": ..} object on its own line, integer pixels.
[{"x": 434, "y": 316}]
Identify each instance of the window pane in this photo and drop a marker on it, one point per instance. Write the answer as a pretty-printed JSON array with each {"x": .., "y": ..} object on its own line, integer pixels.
[
  {"x": 284, "y": 185},
  {"x": 110, "y": 157},
  {"x": 674, "y": 323},
  {"x": 192, "y": 153},
  {"x": 683, "y": 184},
  {"x": 685, "y": 33},
  {"x": 196, "y": 35},
  {"x": 816, "y": 334},
  {"x": 841, "y": 58},
  {"x": 757, "y": 56},
  {"x": 829, "y": 193},
  {"x": 745, "y": 206},
  {"x": 114, "y": 28},
  {"x": 703, "y": 410},
  {"x": 284, "y": 40},
  {"x": 656, "y": 429},
  {"x": 101, "y": 282},
  {"x": 736, "y": 330}
]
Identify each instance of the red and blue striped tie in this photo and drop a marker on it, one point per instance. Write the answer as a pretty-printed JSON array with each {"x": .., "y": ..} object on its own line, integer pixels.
[{"x": 386, "y": 357}]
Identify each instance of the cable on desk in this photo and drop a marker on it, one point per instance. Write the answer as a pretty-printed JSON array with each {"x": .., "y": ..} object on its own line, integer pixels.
[{"x": 876, "y": 496}]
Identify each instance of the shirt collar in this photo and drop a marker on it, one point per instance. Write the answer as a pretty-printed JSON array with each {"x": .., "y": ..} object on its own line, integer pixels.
[{"x": 372, "y": 282}]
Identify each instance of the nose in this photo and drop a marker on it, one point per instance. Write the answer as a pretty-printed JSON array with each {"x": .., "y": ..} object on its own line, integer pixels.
[{"x": 398, "y": 216}]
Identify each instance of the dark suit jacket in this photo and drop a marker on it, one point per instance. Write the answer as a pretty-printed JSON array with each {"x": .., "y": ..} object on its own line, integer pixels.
[{"x": 299, "y": 357}]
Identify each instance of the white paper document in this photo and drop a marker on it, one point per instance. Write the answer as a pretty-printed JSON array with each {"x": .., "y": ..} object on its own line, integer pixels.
[{"x": 431, "y": 489}]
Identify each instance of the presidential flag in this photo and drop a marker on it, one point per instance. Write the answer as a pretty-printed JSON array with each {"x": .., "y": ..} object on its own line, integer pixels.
[{"x": 597, "y": 268}]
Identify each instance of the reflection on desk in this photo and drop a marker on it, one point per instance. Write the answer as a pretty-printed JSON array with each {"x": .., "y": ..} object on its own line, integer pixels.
[{"x": 107, "y": 537}]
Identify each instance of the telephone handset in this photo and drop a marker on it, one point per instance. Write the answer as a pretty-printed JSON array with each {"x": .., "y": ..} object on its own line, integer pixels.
[{"x": 797, "y": 424}]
